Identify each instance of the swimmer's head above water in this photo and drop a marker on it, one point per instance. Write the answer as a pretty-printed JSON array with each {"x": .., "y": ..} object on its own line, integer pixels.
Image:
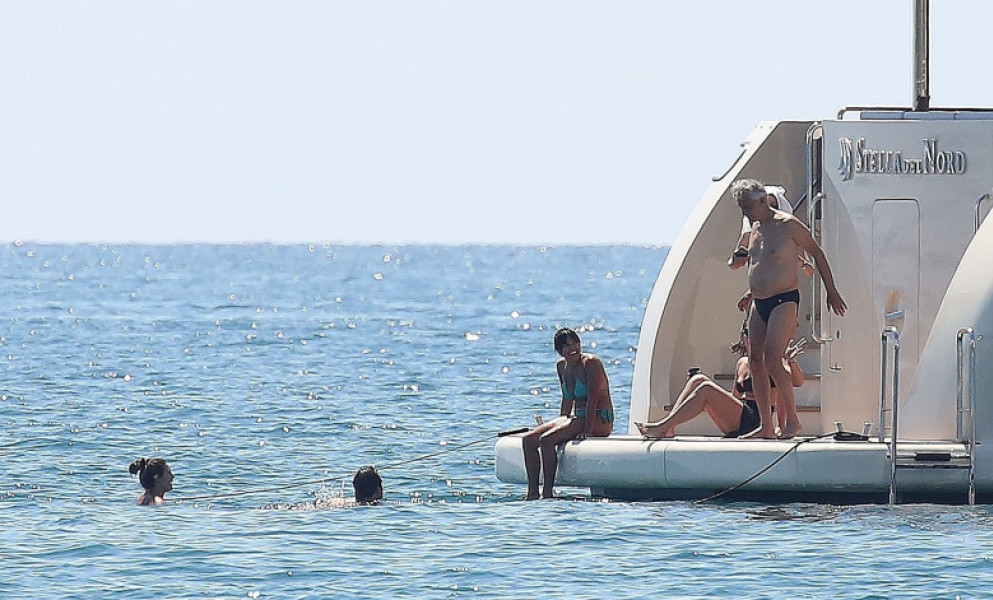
[
  {"x": 368, "y": 486},
  {"x": 155, "y": 476}
]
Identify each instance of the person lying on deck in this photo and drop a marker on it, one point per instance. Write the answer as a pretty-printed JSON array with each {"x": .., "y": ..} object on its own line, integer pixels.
[{"x": 735, "y": 413}]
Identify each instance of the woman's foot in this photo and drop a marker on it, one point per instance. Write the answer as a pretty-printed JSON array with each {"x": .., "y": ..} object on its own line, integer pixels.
[{"x": 654, "y": 431}]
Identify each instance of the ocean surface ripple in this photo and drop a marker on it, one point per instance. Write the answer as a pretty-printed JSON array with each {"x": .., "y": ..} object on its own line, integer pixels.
[{"x": 267, "y": 374}]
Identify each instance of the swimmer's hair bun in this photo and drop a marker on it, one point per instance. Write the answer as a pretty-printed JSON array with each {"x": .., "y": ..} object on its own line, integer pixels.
[{"x": 138, "y": 466}]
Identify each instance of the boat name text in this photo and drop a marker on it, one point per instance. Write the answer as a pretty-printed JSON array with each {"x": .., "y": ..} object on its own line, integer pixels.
[{"x": 858, "y": 159}]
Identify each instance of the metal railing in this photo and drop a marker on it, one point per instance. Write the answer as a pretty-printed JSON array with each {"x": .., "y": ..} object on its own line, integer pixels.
[
  {"x": 893, "y": 333},
  {"x": 960, "y": 398},
  {"x": 965, "y": 403},
  {"x": 813, "y": 171},
  {"x": 817, "y": 306},
  {"x": 979, "y": 209}
]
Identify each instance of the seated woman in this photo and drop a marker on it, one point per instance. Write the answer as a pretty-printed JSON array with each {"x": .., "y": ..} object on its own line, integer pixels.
[
  {"x": 155, "y": 476},
  {"x": 586, "y": 410},
  {"x": 735, "y": 414}
]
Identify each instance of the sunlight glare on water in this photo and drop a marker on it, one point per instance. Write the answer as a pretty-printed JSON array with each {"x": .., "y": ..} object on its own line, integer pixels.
[{"x": 266, "y": 375}]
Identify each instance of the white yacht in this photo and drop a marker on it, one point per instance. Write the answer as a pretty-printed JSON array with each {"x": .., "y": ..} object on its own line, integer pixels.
[{"x": 897, "y": 198}]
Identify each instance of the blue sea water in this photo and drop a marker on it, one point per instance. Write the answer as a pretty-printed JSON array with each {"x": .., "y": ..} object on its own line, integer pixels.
[{"x": 267, "y": 374}]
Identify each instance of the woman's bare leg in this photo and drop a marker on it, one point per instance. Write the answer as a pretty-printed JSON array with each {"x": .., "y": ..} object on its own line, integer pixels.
[
  {"x": 532, "y": 460},
  {"x": 549, "y": 456},
  {"x": 708, "y": 397},
  {"x": 691, "y": 385}
]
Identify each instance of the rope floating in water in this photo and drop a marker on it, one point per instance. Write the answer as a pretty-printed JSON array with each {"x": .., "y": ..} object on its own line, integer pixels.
[{"x": 326, "y": 480}]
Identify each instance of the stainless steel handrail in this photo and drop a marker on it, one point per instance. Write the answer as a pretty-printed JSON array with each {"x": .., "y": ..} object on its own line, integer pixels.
[
  {"x": 816, "y": 305},
  {"x": 960, "y": 408},
  {"x": 908, "y": 109},
  {"x": 744, "y": 148},
  {"x": 888, "y": 332},
  {"x": 812, "y": 132},
  {"x": 960, "y": 396},
  {"x": 894, "y": 333},
  {"x": 979, "y": 207}
]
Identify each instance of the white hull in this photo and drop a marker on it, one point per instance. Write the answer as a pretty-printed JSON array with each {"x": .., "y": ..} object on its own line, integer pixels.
[
  {"x": 909, "y": 246},
  {"x": 898, "y": 199},
  {"x": 632, "y": 468}
]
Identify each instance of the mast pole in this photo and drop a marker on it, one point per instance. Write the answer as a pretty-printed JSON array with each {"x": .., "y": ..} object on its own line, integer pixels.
[{"x": 922, "y": 97}]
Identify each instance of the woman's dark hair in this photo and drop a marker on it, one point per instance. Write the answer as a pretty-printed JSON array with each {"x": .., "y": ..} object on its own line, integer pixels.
[
  {"x": 147, "y": 470},
  {"x": 562, "y": 337},
  {"x": 739, "y": 346},
  {"x": 368, "y": 485}
]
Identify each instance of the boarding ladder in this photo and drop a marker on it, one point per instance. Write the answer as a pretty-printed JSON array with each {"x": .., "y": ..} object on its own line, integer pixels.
[{"x": 965, "y": 391}]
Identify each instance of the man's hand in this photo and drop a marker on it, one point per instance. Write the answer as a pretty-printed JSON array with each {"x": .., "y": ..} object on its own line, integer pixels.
[
  {"x": 745, "y": 300},
  {"x": 836, "y": 303},
  {"x": 795, "y": 348}
]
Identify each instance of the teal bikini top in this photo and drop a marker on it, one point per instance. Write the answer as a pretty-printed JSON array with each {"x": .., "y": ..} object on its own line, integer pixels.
[
  {"x": 581, "y": 396},
  {"x": 580, "y": 393}
]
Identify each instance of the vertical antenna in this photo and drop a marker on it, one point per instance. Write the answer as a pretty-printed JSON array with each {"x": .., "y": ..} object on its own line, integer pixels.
[{"x": 922, "y": 97}]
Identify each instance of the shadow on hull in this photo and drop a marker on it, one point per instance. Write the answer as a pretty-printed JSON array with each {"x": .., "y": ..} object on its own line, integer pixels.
[{"x": 701, "y": 496}]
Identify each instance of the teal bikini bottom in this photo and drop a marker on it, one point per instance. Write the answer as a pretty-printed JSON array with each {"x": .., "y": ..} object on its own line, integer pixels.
[{"x": 606, "y": 415}]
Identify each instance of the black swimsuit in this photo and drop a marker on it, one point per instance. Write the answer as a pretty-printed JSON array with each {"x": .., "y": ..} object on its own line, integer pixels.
[
  {"x": 750, "y": 419},
  {"x": 765, "y": 306},
  {"x": 745, "y": 385}
]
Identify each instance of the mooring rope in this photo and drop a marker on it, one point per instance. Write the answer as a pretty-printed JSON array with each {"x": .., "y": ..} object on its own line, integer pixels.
[
  {"x": 763, "y": 470},
  {"x": 326, "y": 480}
]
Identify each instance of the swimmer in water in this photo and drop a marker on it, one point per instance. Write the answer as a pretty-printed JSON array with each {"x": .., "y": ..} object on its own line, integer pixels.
[
  {"x": 368, "y": 486},
  {"x": 155, "y": 476}
]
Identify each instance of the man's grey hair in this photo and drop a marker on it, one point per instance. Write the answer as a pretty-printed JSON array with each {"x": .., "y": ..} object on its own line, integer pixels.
[{"x": 751, "y": 187}]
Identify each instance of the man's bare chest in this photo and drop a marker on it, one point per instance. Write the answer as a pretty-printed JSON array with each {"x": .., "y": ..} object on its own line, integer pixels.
[{"x": 770, "y": 240}]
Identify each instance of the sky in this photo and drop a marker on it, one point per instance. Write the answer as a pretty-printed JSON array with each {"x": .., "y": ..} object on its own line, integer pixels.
[{"x": 437, "y": 121}]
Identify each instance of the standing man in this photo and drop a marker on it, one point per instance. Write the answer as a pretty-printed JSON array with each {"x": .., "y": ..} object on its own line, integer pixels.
[{"x": 775, "y": 241}]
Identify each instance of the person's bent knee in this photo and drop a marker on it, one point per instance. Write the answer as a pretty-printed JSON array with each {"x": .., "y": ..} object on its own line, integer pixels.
[
  {"x": 704, "y": 387},
  {"x": 697, "y": 380}
]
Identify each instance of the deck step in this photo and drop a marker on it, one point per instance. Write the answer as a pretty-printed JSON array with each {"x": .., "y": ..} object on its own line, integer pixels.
[{"x": 933, "y": 460}]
